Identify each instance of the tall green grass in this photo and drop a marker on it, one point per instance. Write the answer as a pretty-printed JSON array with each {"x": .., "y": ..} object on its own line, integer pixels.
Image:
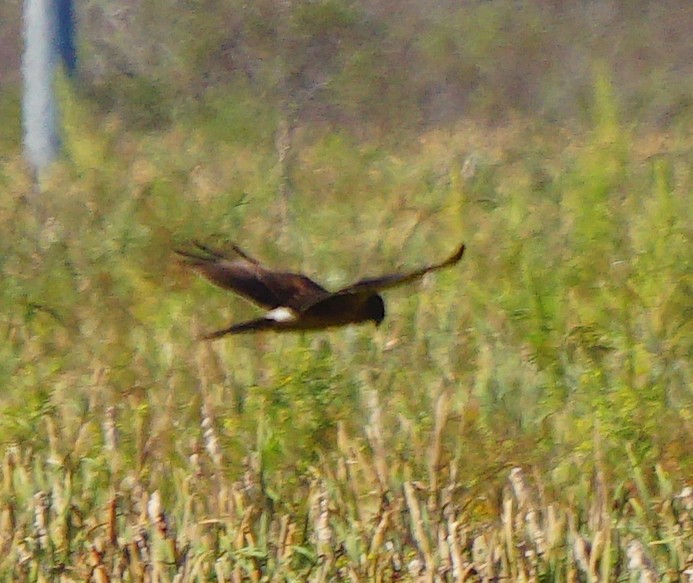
[{"x": 525, "y": 415}]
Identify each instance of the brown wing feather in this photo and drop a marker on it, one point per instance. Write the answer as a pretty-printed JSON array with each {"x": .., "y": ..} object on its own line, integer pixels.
[
  {"x": 236, "y": 249},
  {"x": 376, "y": 284},
  {"x": 294, "y": 289},
  {"x": 248, "y": 278}
]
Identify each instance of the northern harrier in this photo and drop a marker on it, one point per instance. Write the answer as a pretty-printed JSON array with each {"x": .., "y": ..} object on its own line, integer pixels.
[{"x": 293, "y": 301}]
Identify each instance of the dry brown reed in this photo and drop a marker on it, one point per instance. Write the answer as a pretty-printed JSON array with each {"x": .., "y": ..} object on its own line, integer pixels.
[{"x": 361, "y": 517}]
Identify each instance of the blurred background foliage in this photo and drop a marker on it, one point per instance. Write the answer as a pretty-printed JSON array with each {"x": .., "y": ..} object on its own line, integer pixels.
[{"x": 376, "y": 65}]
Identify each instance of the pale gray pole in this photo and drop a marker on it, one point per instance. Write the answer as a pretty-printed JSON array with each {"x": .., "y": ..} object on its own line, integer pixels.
[{"x": 39, "y": 104}]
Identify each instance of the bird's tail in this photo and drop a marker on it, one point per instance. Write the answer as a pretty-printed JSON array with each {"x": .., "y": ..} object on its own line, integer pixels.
[{"x": 255, "y": 325}]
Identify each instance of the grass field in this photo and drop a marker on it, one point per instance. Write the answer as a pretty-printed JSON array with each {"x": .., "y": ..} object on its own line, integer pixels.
[{"x": 527, "y": 415}]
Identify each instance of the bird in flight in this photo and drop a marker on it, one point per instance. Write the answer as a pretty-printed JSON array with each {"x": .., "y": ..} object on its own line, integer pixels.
[{"x": 292, "y": 300}]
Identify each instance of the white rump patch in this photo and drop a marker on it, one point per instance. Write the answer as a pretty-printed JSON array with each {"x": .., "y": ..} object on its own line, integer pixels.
[{"x": 282, "y": 314}]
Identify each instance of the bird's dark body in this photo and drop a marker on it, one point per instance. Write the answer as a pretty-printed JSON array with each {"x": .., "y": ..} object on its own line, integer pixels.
[
  {"x": 296, "y": 302},
  {"x": 340, "y": 310}
]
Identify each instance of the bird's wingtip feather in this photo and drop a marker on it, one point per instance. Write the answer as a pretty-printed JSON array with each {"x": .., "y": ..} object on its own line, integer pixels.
[
  {"x": 457, "y": 255},
  {"x": 185, "y": 254}
]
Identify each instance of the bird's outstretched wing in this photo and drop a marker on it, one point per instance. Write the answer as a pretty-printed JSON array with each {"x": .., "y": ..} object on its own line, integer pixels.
[
  {"x": 376, "y": 284},
  {"x": 249, "y": 278}
]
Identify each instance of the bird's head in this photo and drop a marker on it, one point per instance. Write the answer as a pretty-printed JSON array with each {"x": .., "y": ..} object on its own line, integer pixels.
[{"x": 375, "y": 308}]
